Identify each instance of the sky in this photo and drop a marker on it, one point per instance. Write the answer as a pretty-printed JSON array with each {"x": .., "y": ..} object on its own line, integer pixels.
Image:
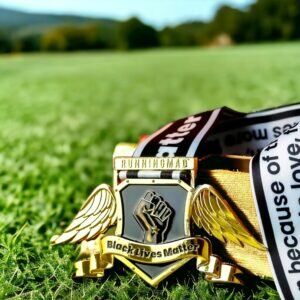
[{"x": 155, "y": 12}]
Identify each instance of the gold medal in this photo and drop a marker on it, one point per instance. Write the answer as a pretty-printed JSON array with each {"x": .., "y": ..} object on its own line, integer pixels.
[
  {"x": 181, "y": 194},
  {"x": 155, "y": 225}
]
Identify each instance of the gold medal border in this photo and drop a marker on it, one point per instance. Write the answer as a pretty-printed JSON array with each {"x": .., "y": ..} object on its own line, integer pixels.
[{"x": 156, "y": 280}]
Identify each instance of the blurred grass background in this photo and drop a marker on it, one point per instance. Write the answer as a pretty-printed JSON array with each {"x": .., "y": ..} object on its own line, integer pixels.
[{"x": 61, "y": 116}]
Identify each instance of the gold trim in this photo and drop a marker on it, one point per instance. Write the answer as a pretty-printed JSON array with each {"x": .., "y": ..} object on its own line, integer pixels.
[
  {"x": 124, "y": 163},
  {"x": 156, "y": 280},
  {"x": 221, "y": 272},
  {"x": 155, "y": 163}
]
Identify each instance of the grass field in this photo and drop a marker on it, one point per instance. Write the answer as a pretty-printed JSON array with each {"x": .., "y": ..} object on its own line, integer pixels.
[{"x": 60, "y": 118}]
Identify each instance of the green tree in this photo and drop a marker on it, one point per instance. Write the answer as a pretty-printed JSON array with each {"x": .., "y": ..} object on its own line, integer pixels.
[
  {"x": 74, "y": 37},
  {"x": 186, "y": 34},
  {"x": 133, "y": 34},
  {"x": 5, "y": 42},
  {"x": 273, "y": 20},
  {"x": 228, "y": 20},
  {"x": 71, "y": 38},
  {"x": 27, "y": 43},
  {"x": 93, "y": 37},
  {"x": 64, "y": 38},
  {"x": 54, "y": 41}
]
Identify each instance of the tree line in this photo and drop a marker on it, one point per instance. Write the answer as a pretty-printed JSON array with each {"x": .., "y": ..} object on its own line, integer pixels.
[{"x": 265, "y": 20}]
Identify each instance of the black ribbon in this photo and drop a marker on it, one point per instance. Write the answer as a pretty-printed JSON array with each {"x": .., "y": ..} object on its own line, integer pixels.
[{"x": 272, "y": 137}]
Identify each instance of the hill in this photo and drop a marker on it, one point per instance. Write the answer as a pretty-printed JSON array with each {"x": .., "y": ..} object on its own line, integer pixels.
[{"x": 19, "y": 21}]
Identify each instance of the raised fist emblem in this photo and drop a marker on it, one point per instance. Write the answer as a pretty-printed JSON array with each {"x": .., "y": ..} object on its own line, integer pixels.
[{"x": 153, "y": 214}]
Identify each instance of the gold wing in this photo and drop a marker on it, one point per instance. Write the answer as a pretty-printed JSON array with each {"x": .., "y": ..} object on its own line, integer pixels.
[
  {"x": 96, "y": 215},
  {"x": 214, "y": 214}
]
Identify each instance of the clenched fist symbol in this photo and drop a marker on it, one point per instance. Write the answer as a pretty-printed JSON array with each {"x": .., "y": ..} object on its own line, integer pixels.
[{"x": 153, "y": 214}]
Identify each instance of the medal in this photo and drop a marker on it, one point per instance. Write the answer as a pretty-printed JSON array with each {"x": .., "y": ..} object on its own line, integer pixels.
[{"x": 221, "y": 188}]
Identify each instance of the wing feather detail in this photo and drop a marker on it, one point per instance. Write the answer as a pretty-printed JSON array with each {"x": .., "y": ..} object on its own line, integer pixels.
[
  {"x": 94, "y": 231},
  {"x": 212, "y": 212},
  {"x": 96, "y": 215}
]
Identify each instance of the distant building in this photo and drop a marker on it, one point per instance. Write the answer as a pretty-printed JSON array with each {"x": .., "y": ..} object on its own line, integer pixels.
[{"x": 222, "y": 40}]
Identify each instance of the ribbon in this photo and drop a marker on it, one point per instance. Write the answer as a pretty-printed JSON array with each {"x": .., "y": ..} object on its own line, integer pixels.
[
  {"x": 272, "y": 137},
  {"x": 276, "y": 186},
  {"x": 155, "y": 254},
  {"x": 105, "y": 248}
]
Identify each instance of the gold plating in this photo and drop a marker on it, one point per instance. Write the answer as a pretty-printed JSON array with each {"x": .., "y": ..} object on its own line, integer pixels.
[{"x": 100, "y": 220}]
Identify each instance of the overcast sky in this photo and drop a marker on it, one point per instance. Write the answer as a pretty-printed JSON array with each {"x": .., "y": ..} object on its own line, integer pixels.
[{"x": 155, "y": 12}]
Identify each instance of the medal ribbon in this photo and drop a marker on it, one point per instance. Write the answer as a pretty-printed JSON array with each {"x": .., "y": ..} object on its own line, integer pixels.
[{"x": 272, "y": 137}]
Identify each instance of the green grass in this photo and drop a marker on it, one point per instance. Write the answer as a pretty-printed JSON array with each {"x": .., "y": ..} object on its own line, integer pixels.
[{"x": 60, "y": 118}]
